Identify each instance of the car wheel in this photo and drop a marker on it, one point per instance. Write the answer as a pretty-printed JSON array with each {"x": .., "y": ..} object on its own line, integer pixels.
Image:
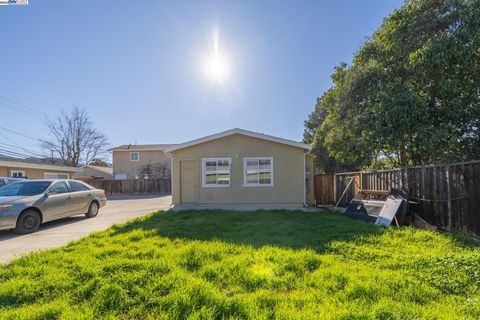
[
  {"x": 28, "y": 222},
  {"x": 92, "y": 210}
]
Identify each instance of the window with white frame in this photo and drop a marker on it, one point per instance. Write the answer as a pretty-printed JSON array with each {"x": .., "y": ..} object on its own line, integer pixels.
[
  {"x": 17, "y": 174},
  {"x": 258, "y": 171},
  {"x": 134, "y": 156},
  {"x": 216, "y": 172}
]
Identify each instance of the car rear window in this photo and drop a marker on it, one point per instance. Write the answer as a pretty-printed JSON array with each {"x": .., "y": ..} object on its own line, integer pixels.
[{"x": 77, "y": 186}]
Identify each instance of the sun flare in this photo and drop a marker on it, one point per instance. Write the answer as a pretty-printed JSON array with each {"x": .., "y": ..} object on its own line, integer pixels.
[{"x": 216, "y": 65}]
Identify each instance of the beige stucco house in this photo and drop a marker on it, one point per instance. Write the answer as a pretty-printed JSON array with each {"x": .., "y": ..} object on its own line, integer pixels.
[
  {"x": 12, "y": 167},
  {"x": 94, "y": 172},
  {"x": 239, "y": 168},
  {"x": 140, "y": 161}
]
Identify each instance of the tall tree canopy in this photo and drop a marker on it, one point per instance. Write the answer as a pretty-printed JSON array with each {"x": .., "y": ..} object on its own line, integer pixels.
[{"x": 411, "y": 95}]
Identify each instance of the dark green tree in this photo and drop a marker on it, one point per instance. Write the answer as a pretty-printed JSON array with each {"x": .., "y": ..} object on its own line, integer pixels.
[{"x": 412, "y": 93}]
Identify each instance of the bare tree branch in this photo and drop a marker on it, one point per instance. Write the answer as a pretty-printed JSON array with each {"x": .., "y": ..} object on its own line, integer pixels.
[
  {"x": 73, "y": 138},
  {"x": 158, "y": 170}
]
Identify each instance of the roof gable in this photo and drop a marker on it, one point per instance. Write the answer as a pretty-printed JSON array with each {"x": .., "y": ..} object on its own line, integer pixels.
[{"x": 241, "y": 132}]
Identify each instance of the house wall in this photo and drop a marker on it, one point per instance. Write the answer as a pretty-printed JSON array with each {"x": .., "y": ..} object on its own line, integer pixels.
[
  {"x": 288, "y": 169},
  {"x": 31, "y": 173},
  {"x": 123, "y": 164}
]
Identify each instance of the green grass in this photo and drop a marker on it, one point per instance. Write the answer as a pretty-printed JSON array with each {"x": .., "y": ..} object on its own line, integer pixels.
[{"x": 247, "y": 265}]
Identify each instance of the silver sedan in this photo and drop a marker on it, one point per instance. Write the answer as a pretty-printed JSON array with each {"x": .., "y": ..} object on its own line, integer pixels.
[{"x": 27, "y": 204}]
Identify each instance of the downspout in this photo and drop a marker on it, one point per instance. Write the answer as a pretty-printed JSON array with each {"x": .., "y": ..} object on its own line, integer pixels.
[
  {"x": 113, "y": 165},
  {"x": 304, "y": 180},
  {"x": 171, "y": 176}
]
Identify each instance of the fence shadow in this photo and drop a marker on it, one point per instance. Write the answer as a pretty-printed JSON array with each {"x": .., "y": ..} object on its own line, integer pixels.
[{"x": 289, "y": 229}]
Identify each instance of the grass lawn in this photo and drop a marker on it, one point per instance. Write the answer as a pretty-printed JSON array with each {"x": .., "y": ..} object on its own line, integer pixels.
[{"x": 247, "y": 265}]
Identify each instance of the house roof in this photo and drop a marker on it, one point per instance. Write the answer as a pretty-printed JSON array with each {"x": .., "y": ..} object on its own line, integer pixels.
[
  {"x": 242, "y": 132},
  {"x": 50, "y": 161},
  {"x": 106, "y": 170},
  {"x": 33, "y": 164},
  {"x": 140, "y": 147}
]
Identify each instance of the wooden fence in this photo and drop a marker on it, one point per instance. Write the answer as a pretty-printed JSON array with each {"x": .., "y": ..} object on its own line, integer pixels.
[
  {"x": 137, "y": 186},
  {"x": 325, "y": 189},
  {"x": 448, "y": 196}
]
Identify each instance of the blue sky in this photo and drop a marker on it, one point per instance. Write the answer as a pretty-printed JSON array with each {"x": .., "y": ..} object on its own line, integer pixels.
[{"x": 136, "y": 66}]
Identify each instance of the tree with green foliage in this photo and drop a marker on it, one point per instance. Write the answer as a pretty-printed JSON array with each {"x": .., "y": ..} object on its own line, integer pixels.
[
  {"x": 99, "y": 162},
  {"x": 412, "y": 93}
]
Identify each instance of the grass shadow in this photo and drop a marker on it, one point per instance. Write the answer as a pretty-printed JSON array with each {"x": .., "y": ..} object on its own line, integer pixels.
[{"x": 281, "y": 228}]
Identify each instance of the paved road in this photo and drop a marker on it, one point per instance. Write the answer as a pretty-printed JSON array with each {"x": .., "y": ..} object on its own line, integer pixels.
[{"x": 58, "y": 233}]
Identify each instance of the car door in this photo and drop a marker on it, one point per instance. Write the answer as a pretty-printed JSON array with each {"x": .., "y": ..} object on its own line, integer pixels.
[
  {"x": 81, "y": 196},
  {"x": 57, "y": 204}
]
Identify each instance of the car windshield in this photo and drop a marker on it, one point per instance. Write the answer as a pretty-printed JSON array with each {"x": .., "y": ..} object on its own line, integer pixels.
[{"x": 30, "y": 188}]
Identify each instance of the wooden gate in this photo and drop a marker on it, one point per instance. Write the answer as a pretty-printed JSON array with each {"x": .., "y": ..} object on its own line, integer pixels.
[{"x": 324, "y": 189}]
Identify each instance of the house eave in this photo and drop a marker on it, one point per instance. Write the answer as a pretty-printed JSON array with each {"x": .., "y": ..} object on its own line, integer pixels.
[{"x": 241, "y": 132}]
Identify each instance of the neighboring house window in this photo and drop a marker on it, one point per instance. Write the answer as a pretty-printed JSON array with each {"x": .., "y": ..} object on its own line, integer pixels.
[
  {"x": 134, "y": 156},
  {"x": 17, "y": 174},
  {"x": 258, "y": 172},
  {"x": 50, "y": 175},
  {"x": 216, "y": 172}
]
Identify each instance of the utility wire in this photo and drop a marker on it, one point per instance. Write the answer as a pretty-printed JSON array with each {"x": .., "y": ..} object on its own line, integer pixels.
[
  {"x": 31, "y": 154},
  {"x": 9, "y": 102},
  {"x": 20, "y": 134},
  {"x": 9, "y": 153},
  {"x": 36, "y": 154},
  {"x": 4, "y": 104},
  {"x": 15, "y": 154},
  {"x": 1, "y": 134}
]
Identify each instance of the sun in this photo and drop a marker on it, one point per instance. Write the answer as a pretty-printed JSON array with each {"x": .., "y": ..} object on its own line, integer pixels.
[
  {"x": 216, "y": 68},
  {"x": 216, "y": 64}
]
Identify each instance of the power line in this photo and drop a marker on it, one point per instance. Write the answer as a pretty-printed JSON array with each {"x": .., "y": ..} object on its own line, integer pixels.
[
  {"x": 1, "y": 134},
  {"x": 10, "y": 153},
  {"x": 20, "y": 134},
  {"x": 2, "y": 103},
  {"x": 9, "y": 102},
  {"x": 14, "y": 154},
  {"x": 30, "y": 153},
  {"x": 23, "y": 150}
]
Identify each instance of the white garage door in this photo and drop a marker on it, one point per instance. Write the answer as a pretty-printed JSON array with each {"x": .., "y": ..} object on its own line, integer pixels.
[
  {"x": 50, "y": 175},
  {"x": 120, "y": 176}
]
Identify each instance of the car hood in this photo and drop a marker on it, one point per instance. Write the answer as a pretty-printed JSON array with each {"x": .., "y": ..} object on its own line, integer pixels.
[{"x": 5, "y": 200}]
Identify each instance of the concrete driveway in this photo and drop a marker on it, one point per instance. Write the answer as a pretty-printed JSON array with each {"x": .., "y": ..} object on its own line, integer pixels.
[{"x": 119, "y": 209}]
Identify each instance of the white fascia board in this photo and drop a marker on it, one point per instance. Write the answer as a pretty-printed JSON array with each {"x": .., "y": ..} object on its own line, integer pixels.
[{"x": 242, "y": 132}]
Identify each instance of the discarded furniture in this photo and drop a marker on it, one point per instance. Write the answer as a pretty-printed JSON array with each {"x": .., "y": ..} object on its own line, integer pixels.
[{"x": 384, "y": 209}]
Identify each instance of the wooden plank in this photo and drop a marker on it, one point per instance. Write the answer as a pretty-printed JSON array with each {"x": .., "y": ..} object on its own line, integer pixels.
[
  {"x": 475, "y": 200},
  {"x": 449, "y": 203},
  {"x": 324, "y": 189}
]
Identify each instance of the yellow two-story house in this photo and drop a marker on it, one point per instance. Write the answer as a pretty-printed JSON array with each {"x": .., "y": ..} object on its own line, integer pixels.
[{"x": 141, "y": 161}]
